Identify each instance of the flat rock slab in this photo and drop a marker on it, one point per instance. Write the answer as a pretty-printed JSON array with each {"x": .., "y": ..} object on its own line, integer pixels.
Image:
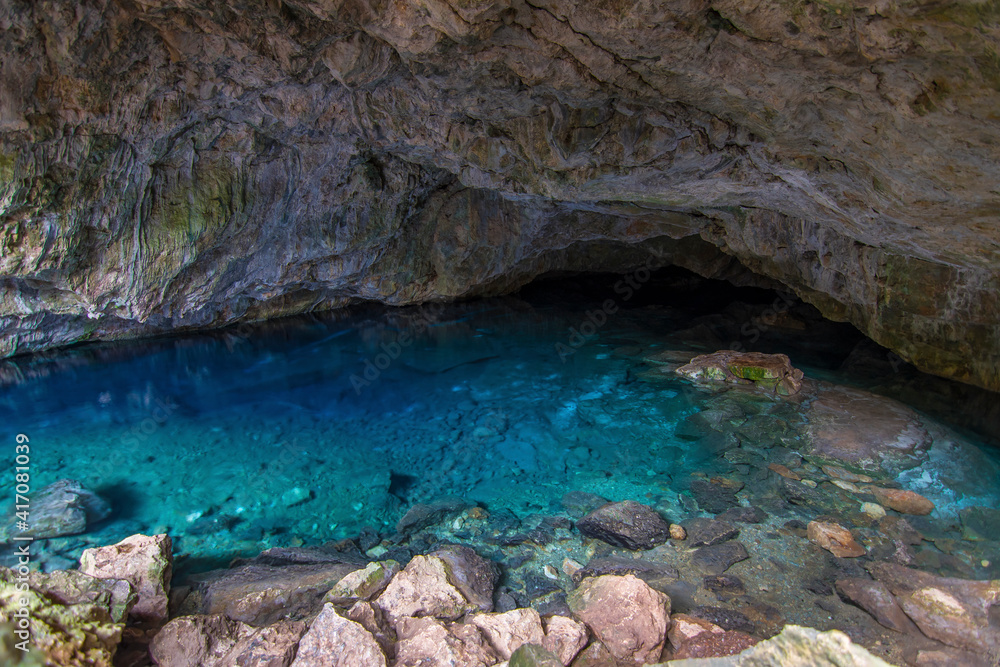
[
  {"x": 865, "y": 430},
  {"x": 877, "y": 600},
  {"x": 264, "y": 594},
  {"x": 643, "y": 569},
  {"x": 628, "y": 524},
  {"x": 706, "y": 532},
  {"x": 718, "y": 558},
  {"x": 958, "y": 612}
]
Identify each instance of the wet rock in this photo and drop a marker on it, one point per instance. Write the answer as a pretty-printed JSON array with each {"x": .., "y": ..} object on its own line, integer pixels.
[
  {"x": 958, "y": 612},
  {"x": 837, "y": 472},
  {"x": 474, "y": 576},
  {"x": 771, "y": 372},
  {"x": 362, "y": 584},
  {"x": 677, "y": 532},
  {"x": 144, "y": 561},
  {"x": 334, "y": 641},
  {"x": 629, "y": 617},
  {"x": 564, "y": 637},
  {"x": 874, "y": 510},
  {"x": 64, "y": 508},
  {"x": 796, "y": 646},
  {"x": 595, "y": 655},
  {"x": 864, "y": 429},
  {"x": 743, "y": 515},
  {"x": 714, "y": 645},
  {"x": 706, "y": 532},
  {"x": 643, "y": 569},
  {"x": 711, "y": 497},
  {"x": 724, "y": 584},
  {"x": 261, "y": 594},
  {"x": 509, "y": 630},
  {"x": 627, "y": 524},
  {"x": 898, "y": 528},
  {"x": 784, "y": 472},
  {"x": 727, "y": 619},
  {"x": 718, "y": 558},
  {"x": 684, "y": 628},
  {"x": 875, "y": 598},
  {"x": 74, "y": 627},
  {"x": 216, "y": 641},
  {"x": 834, "y": 538},
  {"x": 532, "y": 655},
  {"x": 423, "y": 515},
  {"x": 423, "y": 588},
  {"x": 904, "y": 502},
  {"x": 426, "y": 642},
  {"x": 581, "y": 503},
  {"x": 980, "y": 523}
]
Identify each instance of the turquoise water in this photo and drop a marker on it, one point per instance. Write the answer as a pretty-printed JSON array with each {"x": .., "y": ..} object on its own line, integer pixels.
[{"x": 316, "y": 428}]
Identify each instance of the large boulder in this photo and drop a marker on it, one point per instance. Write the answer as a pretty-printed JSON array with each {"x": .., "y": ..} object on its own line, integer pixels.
[
  {"x": 629, "y": 617},
  {"x": 427, "y": 642},
  {"x": 65, "y": 508},
  {"x": 507, "y": 631},
  {"x": 144, "y": 561},
  {"x": 423, "y": 588}
]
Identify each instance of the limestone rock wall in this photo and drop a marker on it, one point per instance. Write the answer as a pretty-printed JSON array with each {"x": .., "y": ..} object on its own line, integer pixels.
[{"x": 168, "y": 164}]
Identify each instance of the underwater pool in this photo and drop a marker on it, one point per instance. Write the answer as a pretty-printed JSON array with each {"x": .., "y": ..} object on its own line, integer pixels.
[{"x": 536, "y": 408}]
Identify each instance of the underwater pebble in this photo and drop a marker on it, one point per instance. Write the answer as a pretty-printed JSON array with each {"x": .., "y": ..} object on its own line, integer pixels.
[
  {"x": 846, "y": 486},
  {"x": 905, "y": 502},
  {"x": 571, "y": 567},
  {"x": 677, "y": 531},
  {"x": 873, "y": 510},
  {"x": 551, "y": 572},
  {"x": 810, "y": 483},
  {"x": 295, "y": 496},
  {"x": 834, "y": 538}
]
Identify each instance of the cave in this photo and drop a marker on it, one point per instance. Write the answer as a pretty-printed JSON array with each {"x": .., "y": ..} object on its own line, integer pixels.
[{"x": 483, "y": 333}]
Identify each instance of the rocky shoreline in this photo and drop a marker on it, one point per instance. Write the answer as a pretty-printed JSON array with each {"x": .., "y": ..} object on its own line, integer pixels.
[{"x": 451, "y": 604}]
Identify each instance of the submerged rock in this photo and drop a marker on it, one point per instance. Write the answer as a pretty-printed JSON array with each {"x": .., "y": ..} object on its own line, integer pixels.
[
  {"x": 626, "y": 524},
  {"x": 834, "y": 538},
  {"x": 718, "y": 558},
  {"x": 901, "y": 500},
  {"x": 629, "y": 617},
  {"x": 65, "y": 508},
  {"x": 864, "y": 429},
  {"x": 958, "y": 612},
  {"x": 706, "y": 532},
  {"x": 877, "y": 600},
  {"x": 796, "y": 646},
  {"x": 772, "y": 372},
  {"x": 423, "y": 515}
]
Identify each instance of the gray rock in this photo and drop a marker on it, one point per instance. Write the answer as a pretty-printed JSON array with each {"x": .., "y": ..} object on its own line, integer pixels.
[
  {"x": 718, "y": 558},
  {"x": 627, "y": 524},
  {"x": 423, "y": 515},
  {"x": 64, "y": 508},
  {"x": 706, "y": 532}
]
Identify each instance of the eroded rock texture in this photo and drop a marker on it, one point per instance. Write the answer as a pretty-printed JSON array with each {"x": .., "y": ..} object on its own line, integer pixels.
[{"x": 170, "y": 164}]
